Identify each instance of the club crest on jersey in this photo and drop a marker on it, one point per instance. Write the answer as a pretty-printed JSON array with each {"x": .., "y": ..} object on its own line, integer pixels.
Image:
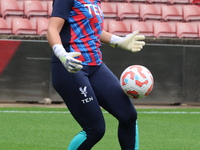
[{"x": 83, "y": 91}]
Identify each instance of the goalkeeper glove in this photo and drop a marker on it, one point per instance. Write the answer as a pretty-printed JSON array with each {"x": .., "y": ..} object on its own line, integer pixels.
[
  {"x": 69, "y": 62},
  {"x": 129, "y": 42}
]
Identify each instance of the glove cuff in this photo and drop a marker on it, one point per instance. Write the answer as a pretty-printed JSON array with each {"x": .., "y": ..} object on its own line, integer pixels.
[
  {"x": 59, "y": 50},
  {"x": 115, "y": 40}
]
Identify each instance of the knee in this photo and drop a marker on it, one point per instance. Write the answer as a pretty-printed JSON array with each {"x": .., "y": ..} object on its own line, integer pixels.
[
  {"x": 96, "y": 133},
  {"x": 129, "y": 120},
  {"x": 100, "y": 131}
]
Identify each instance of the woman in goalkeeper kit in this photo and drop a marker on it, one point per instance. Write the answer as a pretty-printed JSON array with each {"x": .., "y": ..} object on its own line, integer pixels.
[{"x": 84, "y": 82}]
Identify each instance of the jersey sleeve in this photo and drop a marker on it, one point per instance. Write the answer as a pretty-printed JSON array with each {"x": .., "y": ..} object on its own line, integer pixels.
[{"x": 62, "y": 8}]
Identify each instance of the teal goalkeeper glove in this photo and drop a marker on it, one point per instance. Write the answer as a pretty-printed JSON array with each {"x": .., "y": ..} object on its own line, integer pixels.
[
  {"x": 130, "y": 42},
  {"x": 69, "y": 62}
]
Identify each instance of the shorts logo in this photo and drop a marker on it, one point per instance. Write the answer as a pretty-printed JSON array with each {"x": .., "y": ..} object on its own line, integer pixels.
[{"x": 83, "y": 91}]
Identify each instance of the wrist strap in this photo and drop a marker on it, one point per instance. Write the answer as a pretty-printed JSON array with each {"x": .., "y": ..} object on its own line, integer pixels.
[
  {"x": 58, "y": 49},
  {"x": 114, "y": 39}
]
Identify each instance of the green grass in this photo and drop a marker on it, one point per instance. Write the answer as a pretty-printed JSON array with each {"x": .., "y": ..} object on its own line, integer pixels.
[{"x": 54, "y": 131}]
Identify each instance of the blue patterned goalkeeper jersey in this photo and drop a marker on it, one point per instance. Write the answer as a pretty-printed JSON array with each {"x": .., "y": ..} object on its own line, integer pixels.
[{"x": 82, "y": 28}]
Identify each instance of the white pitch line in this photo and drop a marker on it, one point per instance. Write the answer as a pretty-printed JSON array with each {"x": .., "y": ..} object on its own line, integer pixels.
[
  {"x": 67, "y": 112},
  {"x": 167, "y": 112},
  {"x": 35, "y": 112}
]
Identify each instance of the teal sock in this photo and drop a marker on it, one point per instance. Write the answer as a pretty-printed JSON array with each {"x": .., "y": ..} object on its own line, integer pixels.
[
  {"x": 77, "y": 140},
  {"x": 136, "y": 137}
]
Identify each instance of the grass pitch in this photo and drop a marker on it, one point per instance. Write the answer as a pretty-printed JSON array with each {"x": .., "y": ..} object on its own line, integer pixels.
[{"x": 53, "y": 128}]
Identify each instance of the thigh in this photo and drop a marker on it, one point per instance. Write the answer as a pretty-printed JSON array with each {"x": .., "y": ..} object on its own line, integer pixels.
[
  {"x": 110, "y": 95},
  {"x": 77, "y": 93}
]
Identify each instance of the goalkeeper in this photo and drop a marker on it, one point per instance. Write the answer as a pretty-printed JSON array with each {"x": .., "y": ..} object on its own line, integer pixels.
[{"x": 84, "y": 82}]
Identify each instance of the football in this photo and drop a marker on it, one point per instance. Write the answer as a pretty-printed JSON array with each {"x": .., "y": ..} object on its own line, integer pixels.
[{"x": 136, "y": 81}]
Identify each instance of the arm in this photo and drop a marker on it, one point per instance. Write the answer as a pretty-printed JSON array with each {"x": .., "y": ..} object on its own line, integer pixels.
[
  {"x": 105, "y": 37},
  {"x": 130, "y": 42},
  {"x": 53, "y": 36},
  {"x": 54, "y": 28}
]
